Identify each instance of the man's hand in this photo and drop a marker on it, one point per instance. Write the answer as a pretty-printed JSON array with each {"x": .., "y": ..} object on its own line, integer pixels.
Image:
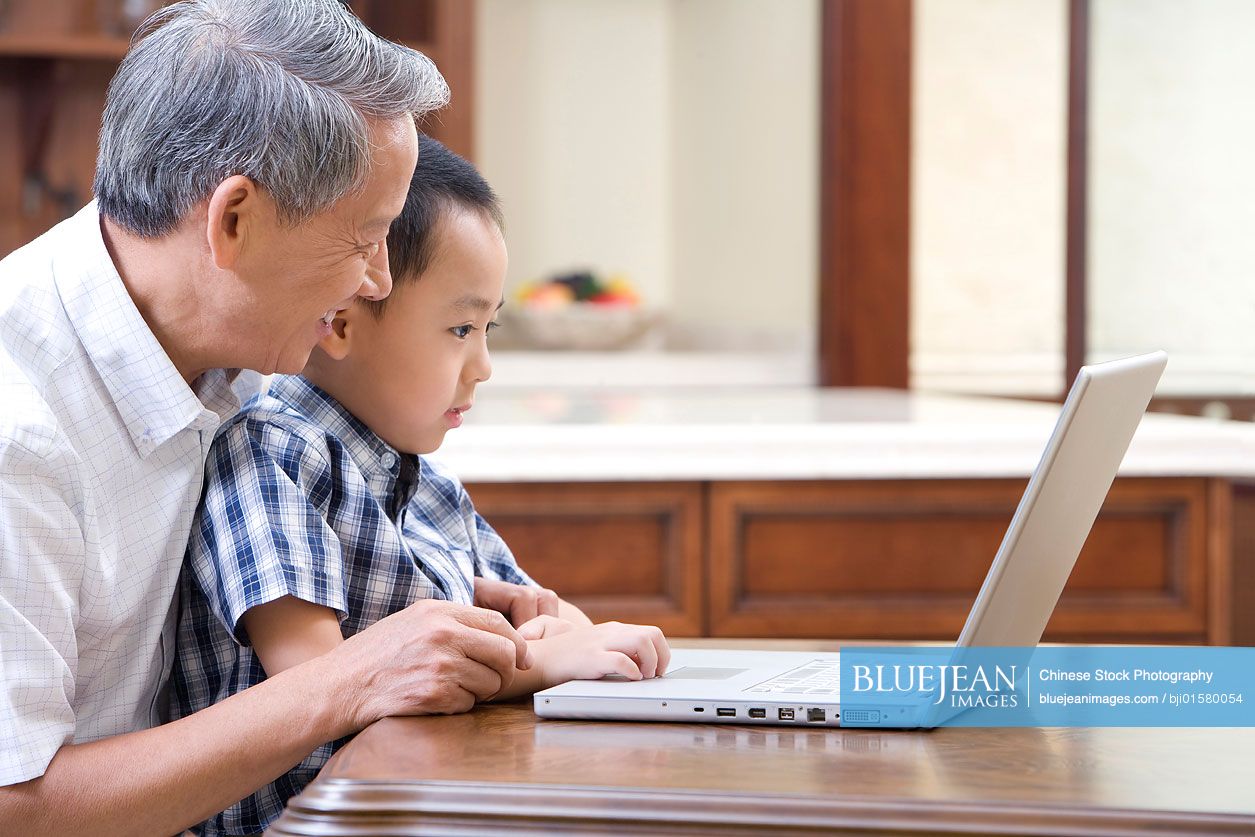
[
  {"x": 433, "y": 658},
  {"x": 517, "y": 602}
]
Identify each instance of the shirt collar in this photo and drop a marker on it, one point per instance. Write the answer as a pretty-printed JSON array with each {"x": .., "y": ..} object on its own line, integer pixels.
[
  {"x": 381, "y": 464},
  {"x": 153, "y": 400}
]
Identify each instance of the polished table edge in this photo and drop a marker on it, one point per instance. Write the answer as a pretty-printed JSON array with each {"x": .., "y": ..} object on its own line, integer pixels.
[{"x": 361, "y": 807}]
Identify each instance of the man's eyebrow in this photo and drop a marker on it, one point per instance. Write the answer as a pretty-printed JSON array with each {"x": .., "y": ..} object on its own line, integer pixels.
[{"x": 470, "y": 302}]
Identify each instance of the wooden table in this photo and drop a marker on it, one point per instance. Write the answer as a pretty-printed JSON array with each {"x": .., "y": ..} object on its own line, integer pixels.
[{"x": 500, "y": 769}]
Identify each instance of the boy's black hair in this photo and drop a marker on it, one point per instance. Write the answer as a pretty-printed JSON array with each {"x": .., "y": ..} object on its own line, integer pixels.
[{"x": 442, "y": 182}]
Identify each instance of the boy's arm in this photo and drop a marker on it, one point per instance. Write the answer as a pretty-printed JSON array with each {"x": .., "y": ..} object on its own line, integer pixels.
[
  {"x": 165, "y": 779},
  {"x": 290, "y": 631},
  {"x": 572, "y": 614}
]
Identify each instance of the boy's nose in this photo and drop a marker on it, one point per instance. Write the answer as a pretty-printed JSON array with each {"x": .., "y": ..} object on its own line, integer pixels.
[{"x": 480, "y": 365}]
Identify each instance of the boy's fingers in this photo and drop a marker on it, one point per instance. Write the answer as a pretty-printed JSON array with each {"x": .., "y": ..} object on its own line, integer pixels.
[
  {"x": 664, "y": 651},
  {"x": 645, "y": 653},
  {"x": 542, "y": 626},
  {"x": 621, "y": 663}
]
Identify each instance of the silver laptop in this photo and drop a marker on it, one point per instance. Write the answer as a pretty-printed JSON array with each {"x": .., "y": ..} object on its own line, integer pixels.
[{"x": 1095, "y": 426}]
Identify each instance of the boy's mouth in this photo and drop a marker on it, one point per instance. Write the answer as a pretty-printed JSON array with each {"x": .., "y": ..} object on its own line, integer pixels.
[{"x": 453, "y": 415}]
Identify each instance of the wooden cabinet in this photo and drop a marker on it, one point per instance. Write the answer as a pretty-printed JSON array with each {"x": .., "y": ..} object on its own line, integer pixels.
[
  {"x": 626, "y": 551},
  {"x": 873, "y": 559},
  {"x": 56, "y": 60}
]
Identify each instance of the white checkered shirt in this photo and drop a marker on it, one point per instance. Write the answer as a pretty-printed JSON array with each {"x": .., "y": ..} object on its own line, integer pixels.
[
  {"x": 302, "y": 499},
  {"x": 102, "y": 450}
]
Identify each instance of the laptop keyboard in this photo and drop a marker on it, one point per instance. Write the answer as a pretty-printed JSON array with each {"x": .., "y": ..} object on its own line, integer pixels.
[{"x": 815, "y": 678}]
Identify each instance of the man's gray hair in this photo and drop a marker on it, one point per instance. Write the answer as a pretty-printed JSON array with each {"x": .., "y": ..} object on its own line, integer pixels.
[{"x": 277, "y": 90}]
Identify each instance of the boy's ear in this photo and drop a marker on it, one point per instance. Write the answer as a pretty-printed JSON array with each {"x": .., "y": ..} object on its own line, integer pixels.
[
  {"x": 336, "y": 345},
  {"x": 234, "y": 215}
]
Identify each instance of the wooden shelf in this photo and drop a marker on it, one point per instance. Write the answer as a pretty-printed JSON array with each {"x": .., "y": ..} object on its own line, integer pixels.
[{"x": 89, "y": 47}]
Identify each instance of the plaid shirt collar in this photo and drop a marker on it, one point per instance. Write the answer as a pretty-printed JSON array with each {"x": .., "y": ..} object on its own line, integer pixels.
[{"x": 391, "y": 476}]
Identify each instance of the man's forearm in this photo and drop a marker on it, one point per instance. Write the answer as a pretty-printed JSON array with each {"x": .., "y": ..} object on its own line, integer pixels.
[{"x": 163, "y": 780}]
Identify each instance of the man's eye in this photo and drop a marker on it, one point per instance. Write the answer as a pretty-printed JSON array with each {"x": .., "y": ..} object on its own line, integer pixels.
[{"x": 462, "y": 332}]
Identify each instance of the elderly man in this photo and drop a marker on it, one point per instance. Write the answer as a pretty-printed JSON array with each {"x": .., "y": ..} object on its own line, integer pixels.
[{"x": 253, "y": 154}]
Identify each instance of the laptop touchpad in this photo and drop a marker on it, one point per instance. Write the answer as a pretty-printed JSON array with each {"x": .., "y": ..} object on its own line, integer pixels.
[{"x": 701, "y": 673}]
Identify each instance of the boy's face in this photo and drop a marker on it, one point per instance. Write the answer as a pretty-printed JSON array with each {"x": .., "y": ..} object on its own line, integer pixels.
[{"x": 411, "y": 373}]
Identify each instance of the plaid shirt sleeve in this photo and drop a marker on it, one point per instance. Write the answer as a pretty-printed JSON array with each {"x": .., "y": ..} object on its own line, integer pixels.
[
  {"x": 262, "y": 530},
  {"x": 489, "y": 553},
  {"x": 493, "y": 558}
]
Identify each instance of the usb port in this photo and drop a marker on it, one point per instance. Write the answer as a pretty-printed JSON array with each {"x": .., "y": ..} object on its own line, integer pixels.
[
  {"x": 816, "y": 715},
  {"x": 724, "y": 712},
  {"x": 785, "y": 714},
  {"x": 758, "y": 713}
]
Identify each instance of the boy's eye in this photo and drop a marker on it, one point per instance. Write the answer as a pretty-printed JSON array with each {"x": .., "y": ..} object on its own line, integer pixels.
[
  {"x": 493, "y": 325},
  {"x": 462, "y": 332}
]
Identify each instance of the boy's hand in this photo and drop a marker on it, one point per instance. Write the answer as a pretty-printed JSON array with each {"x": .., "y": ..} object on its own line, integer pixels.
[
  {"x": 589, "y": 653},
  {"x": 545, "y": 626},
  {"x": 517, "y": 602}
]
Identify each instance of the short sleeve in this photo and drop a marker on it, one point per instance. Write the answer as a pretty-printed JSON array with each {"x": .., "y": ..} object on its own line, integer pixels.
[
  {"x": 261, "y": 532},
  {"x": 494, "y": 558},
  {"x": 42, "y": 553}
]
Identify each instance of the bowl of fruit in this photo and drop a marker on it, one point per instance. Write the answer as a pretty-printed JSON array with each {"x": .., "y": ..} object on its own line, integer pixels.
[{"x": 579, "y": 311}]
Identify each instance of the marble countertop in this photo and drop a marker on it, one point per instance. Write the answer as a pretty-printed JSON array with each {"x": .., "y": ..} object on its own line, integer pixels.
[{"x": 535, "y": 435}]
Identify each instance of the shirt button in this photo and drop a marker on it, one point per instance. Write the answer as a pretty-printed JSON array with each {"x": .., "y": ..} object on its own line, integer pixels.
[{"x": 388, "y": 459}]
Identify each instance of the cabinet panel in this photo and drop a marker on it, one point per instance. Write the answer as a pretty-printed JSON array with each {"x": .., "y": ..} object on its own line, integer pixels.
[
  {"x": 625, "y": 551},
  {"x": 905, "y": 559}
]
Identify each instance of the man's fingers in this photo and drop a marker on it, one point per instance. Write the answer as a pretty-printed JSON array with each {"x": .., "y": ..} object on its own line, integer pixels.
[
  {"x": 523, "y": 607},
  {"x": 481, "y": 681},
  {"x": 491, "y": 621},
  {"x": 547, "y": 602}
]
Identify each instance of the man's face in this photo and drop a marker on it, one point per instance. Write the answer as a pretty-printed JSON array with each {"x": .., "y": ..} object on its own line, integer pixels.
[
  {"x": 414, "y": 370},
  {"x": 298, "y": 278}
]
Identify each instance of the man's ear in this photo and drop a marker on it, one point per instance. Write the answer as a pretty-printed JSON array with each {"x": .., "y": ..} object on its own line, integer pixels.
[
  {"x": 337, "y": 344},
  {"x": 235, "y": 211}
]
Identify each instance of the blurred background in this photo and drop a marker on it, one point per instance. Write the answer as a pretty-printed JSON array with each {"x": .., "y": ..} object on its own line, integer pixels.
[
  {"x": 960, "y": 195},
  {"x": 755, "y": 249}
]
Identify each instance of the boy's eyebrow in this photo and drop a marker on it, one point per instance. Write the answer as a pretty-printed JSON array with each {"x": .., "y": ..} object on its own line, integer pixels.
[{"x": 470, "y": 302}]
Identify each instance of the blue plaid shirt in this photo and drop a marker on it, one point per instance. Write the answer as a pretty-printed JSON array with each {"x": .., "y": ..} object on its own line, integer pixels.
[{"x": 302, "y": 499}]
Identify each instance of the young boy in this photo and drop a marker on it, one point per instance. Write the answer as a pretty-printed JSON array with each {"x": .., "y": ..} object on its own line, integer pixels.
[{"x": 319, "y": 516}]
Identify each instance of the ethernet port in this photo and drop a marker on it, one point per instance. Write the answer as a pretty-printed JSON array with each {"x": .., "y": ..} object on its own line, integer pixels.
[{"x": 817, "y": 715}]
